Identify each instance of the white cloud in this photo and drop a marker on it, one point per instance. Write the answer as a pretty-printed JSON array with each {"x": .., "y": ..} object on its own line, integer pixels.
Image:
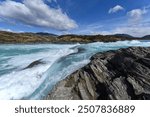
[
  {"x": 137, "y": 31},
  {"x": 36, "y": 13},
  {"x": 115, "y": 9},
  {"x": 134, "y": 31},
  {"x": 8, "y": 30},
  {"x": 119, "y": 26},
  {"x": 136, "y": 15},
  {"x": 138, "y": 24},
  {"x": 124, "y": 27}
]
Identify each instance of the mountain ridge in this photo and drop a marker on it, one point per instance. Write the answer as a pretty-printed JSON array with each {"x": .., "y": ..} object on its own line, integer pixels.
[{"x": 42, "y": 37}]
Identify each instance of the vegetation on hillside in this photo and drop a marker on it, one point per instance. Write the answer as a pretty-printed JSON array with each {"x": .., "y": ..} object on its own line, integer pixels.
[{"x": 10, "y": 37}]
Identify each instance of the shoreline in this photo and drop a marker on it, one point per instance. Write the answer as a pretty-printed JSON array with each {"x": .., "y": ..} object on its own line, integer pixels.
[{"x": 69, "y": 42}]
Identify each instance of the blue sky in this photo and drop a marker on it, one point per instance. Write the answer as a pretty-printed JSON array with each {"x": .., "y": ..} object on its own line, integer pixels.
[{"x": 76, "y": 16}]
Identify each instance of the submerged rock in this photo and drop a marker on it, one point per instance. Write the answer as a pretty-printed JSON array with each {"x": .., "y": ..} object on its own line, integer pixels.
[
  {"x": 34, "y": 63},
  {"x": 113, "y": 75}
]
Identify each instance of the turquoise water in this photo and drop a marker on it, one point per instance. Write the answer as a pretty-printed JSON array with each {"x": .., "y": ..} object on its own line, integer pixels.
[{"x": 59, "y": 60}]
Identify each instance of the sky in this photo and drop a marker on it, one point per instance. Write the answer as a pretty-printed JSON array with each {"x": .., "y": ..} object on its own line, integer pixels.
[{"x": 76, "y": 16}]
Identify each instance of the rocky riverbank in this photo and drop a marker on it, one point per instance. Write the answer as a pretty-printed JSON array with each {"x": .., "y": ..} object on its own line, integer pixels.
[{"x": 123, "y": 74}]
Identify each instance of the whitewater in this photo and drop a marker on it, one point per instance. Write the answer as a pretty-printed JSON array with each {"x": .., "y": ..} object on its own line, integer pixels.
[{"x": 57, "y": 61}]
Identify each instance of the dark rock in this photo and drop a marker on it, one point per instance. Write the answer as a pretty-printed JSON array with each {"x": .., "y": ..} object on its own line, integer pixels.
[
  {"x": 35, "y": 63},
  {"x": 46, "y": 34},
  {"x": 114, "y": 75},
  {"x": 146, "y": 37}
]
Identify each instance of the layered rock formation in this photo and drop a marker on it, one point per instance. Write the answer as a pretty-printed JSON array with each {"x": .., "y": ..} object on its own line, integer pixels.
[{"x": 114, "y": 75}]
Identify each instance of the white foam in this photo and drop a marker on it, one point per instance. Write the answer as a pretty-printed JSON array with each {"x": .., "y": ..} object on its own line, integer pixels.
[
  {"x": 53, "y": 79},
  {"x": 19, "y": 84}
]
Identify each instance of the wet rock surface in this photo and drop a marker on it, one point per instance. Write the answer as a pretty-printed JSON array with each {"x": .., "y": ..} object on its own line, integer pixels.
[
  {"x": 123, "y": 74},
  {"x": 35, "y": 63}
]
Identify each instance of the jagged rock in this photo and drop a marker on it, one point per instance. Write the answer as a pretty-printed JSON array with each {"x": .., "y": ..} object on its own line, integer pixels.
[{"x": 114, "y": 75}]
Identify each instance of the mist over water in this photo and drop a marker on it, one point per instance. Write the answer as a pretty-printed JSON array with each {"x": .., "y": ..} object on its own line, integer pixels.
[{"x": 18, "y": 81}]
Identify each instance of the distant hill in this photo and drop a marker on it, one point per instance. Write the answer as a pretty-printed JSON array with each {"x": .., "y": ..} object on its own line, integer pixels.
[
  {"x": 46, "y": 34},
  {"x": 124, "y": 35},
  {"x": 146, "y": 37},
  {"x": 94, "y": 38},
  {"x": 10, "y": 37}
]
